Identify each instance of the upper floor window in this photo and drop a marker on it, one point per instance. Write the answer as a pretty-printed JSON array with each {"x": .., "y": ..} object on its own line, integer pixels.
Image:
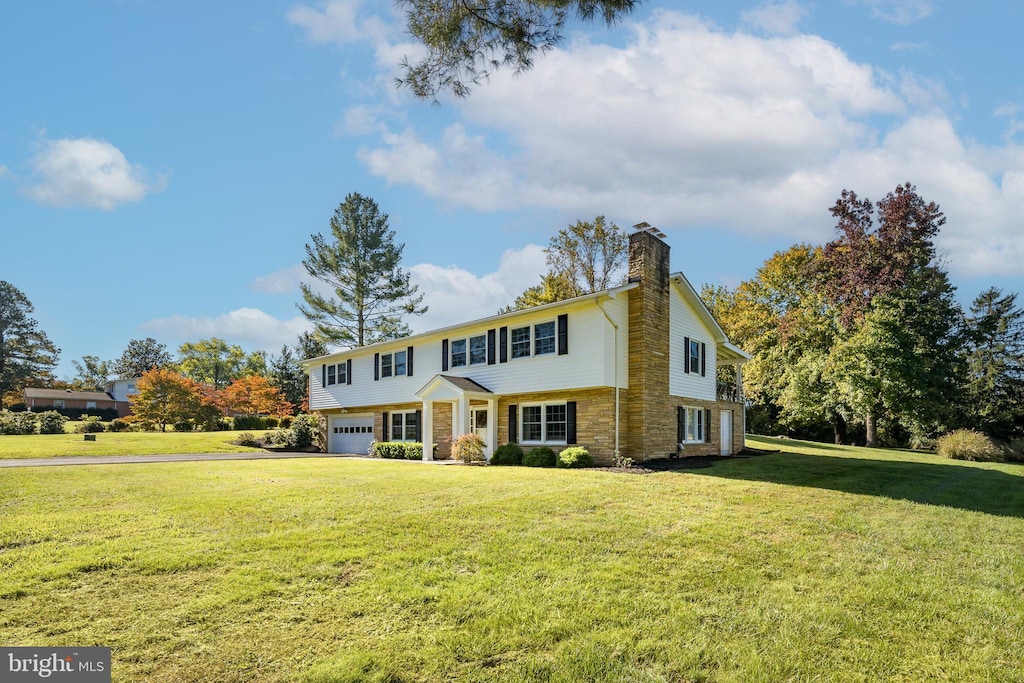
[
  {"x": 332, "y": 375},
  {"x": 693, "y": 356},
  {"x": 478, "y": 349},
  {"x": 342, "y": 374},
  {"x": 544, "y": 338},
  {"x": 520, "y": 342},
  {"x": 458, "y": 353},
  {"x": 393, "y": 364}
]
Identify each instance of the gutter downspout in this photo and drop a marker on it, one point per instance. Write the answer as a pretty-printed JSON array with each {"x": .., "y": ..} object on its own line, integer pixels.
[{"x": 618, "y": 454}]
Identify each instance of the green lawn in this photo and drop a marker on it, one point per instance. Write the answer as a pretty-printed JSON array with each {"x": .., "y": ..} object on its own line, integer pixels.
[
  {"x": 815, "y": 564},
  {"x": 121, "y": 443}
]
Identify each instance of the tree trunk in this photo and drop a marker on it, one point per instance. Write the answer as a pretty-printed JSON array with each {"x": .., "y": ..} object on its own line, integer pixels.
[
  {"x": 838, "y": 429},
  {"x": 871, "y": 426}
]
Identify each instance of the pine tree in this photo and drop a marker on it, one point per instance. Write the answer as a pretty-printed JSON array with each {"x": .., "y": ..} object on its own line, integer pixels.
[{"x": 370, "y": 294}]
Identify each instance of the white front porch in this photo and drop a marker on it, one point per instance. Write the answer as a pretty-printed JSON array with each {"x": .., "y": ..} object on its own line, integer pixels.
[{"x": 474, "y": 410}]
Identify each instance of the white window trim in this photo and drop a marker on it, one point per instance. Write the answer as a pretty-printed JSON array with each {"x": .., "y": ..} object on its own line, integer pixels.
[
  {"x": 554, "y": 337},
  {"x": 391, "y": 426},
  {"x": 512, "y": 344},
  {"x": 392, "y": 366},
  {"x": 465, "y": 353},
  {"x": 543, "y": 424},
  {"x": 701, "y": 428}
]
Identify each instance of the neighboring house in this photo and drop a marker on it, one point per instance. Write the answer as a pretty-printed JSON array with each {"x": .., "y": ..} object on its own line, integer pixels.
[
  {"x": 67, "y": 399},
  {"x": 122, "y": 389},
  {"x": 628, "y": 370}
]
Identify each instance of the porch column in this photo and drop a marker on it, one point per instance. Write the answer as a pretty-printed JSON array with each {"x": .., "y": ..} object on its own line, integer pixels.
[
  {"x": 460, "y": 415},
  {"x": 492, "y": 426},
  {"x": 739, "y": 383},
  {"x": 428, "y": 430}
]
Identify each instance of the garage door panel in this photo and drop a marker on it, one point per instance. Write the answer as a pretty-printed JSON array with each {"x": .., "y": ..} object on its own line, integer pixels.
[{"x": 350, "y": 435}]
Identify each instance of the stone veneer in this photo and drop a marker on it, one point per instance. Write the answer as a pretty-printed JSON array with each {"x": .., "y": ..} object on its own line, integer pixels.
[
  {"x": 595, "y": 419},
  {"x": 651, "y": 430}
]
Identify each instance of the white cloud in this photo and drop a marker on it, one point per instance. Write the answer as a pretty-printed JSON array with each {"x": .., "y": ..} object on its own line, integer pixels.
[
  {"x": 456, "y": 295},
  {"x": 903, "y": 12},
  {"x": 4, "y": 171},
  {"x": 251, "y": 328},
  {"x": 688, "y": 126},
  {"x": 779, "y": 18},
  {"x": 87, "y": 172},
  {"x": 284, "y": 281}
]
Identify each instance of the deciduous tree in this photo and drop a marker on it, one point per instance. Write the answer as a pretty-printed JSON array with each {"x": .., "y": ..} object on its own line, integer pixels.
[
  {"x": 370, "y": 294},
  {"x": 165, "y": 397},
  {"x": 467, "y": 41},
  {"x": 91, "y": 373},
  {"x": 215, "y": 362},
  {"x": 253, "y": 396},
  {"x": 26, "y": 353}
]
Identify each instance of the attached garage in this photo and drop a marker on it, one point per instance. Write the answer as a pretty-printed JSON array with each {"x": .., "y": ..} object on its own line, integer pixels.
[{"x": 350, "y": 434}]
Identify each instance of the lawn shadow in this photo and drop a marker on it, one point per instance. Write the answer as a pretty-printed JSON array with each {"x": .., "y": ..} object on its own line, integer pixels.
[{"x": 947, "y": 484}]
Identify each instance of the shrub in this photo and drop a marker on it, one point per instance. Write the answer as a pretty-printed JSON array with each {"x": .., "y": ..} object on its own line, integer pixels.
[
  {"x": 248, "y": 439},
  {"x": 575, "y": 456},
  {"x": 119, "y": 425},
  {"x": 244, "y": 422},
  {"x": 413, "y": 450},
  {"x": 51, "y": 422},
  {"x": 306, "y": 429},
  {"x": 184, "y": 426},
  {"x": 541, "y": 456},
  {"x": 392, "y": 450},
  {"x": 509, "y": 454},
  {"x": 18, "y": 423},
  {"x": 966, "y": 444},
  {"x": 286, "y": 422},
  {"x": 1014, "y": 451},
  {"x": 468, "y": 448},
  {"x": 271, "y": 422},
  {"x": 281, "y": 437},
  {"x": 90, "y": 424}
]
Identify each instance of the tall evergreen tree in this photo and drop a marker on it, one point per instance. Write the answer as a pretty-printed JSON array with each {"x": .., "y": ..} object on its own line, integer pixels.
[
  {"x": 26, "y": 353},
  {"x": 288, "y": 376},
  {"x": 995, "y": 364},
  {"x": 370, "y": 294},
  {"x": 141, "y": 356}
]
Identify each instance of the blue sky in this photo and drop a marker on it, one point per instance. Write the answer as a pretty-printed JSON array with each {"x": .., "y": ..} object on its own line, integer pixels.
[{"x": 163, "y": 164}]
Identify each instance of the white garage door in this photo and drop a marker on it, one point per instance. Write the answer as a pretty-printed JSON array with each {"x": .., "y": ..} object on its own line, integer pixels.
[{"x": 350, "y": 435}]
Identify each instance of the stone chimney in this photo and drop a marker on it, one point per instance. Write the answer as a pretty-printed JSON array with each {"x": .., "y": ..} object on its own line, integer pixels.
[{"x": 651, "y": 428}]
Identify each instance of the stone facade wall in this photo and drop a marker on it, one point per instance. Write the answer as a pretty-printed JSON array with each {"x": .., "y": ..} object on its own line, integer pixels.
[
  {"x": 651, "y": 431},
  {"x": 595, "y": 419},
  {"x": 443, "y": 430}
]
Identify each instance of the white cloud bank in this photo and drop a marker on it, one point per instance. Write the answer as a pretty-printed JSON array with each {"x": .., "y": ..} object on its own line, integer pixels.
[
  {"x": 453, "y": 295},
  {"x": 87, "y": 172},
  {"x": 690, "y": 126}
]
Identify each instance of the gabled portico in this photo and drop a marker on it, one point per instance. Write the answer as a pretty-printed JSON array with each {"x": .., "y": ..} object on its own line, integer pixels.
[{"x": 474, "y": 410}]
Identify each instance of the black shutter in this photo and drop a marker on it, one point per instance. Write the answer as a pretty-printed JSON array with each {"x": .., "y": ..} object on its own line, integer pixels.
[
  {"x": 419, "y": 427},
  {"x": 376, "y": 367},
  {"x": 490, "y": 347},
  {"x": 513, "y": 424},
  {"x": 703, "y": 359},
  {"x": 348, "y": 371},
  {"x": 707, "y": 425},
  {"x": 563, "y": 334},
  {"x": 323, "y": 375},
  {"x": 570, "y": 422},
  {"x": 408, "y": 362},
  {"x": 686, "y": 355},
  {"x": 503, "y": 345},
  {"x": 444, "y": 355},
  {"x": 385, "y": 436},
  {"x": 680, "y": 424}
]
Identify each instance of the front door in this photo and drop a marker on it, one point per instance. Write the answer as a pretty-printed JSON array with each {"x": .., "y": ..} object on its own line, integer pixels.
[
  {"x": 478, "y": 420},
  {"x": 726, "y": 433}
]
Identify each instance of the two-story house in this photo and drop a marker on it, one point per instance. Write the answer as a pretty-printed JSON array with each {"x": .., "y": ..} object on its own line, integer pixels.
[{"x": 628, "y": 370}]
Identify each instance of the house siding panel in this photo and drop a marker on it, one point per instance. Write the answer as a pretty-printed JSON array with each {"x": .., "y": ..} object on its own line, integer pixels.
[{"x": 684, "y": 324}]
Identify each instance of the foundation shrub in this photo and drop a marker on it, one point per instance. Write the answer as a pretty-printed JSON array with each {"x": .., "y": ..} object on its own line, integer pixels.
[
  {"x": 468, "y": 448},
  {"x": 967, "y": 444},
  {"x": 575, "y": 456},
  {"x": 541, "y": 456},
  {"x": 509, "y": 454},
  {"x": 51, "y": 422}
]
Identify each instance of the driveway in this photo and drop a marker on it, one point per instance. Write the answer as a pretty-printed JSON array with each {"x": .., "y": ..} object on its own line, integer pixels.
[{"x": 183, "y": 457}]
